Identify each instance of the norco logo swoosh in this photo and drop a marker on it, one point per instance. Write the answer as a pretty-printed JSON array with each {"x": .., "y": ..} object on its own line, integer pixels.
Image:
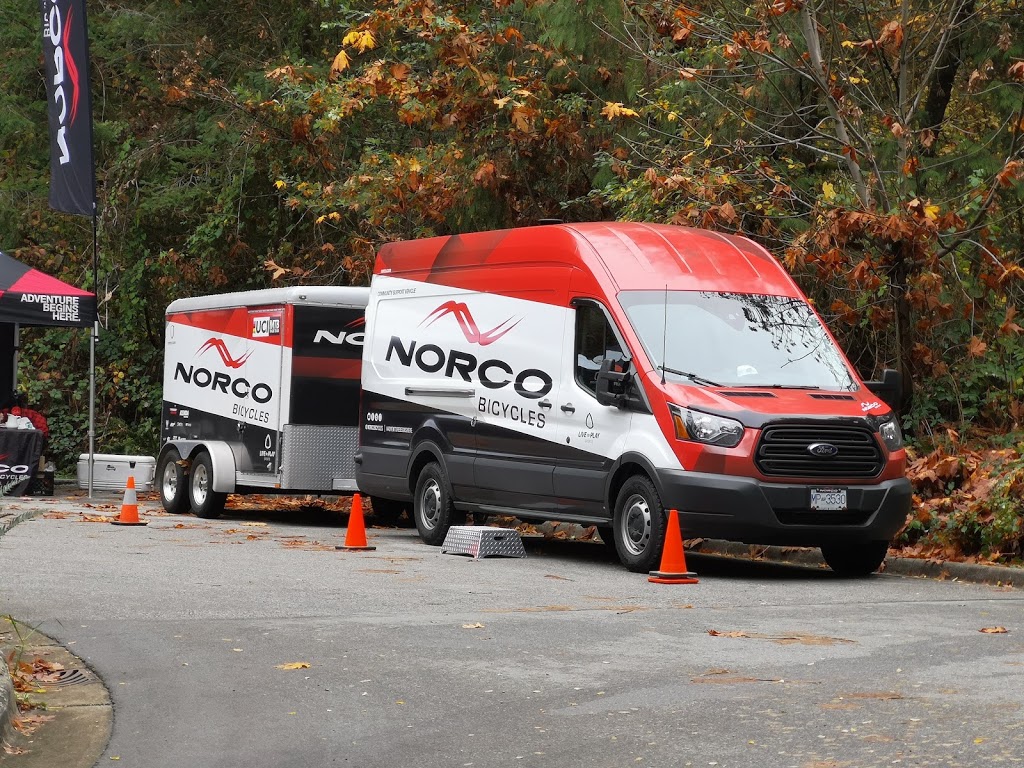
[
  {"x": 468, "y": 325},
  {"x": 57, "y": 32},
  {"x": 69, "y": 62},
  {"x": 222, "y": 349}
]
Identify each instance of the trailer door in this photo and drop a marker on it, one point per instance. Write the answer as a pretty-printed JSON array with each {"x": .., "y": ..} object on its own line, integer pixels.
[{"x": 259, "y": 416}]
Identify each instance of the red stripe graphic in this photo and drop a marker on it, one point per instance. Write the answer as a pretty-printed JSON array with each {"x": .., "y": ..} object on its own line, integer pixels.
[
  {"x": 326, "y": 368},
  {"x": 72, "y": 67},
  {"x": 468, "y": 324},
  {"x": 222, "y": 348}
]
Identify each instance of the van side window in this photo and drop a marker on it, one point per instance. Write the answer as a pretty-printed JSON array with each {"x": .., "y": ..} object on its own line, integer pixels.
[{"x": 595, "y": 342}]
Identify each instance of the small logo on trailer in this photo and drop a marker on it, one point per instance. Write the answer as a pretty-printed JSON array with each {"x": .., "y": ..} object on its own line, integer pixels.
[
  {"x": 468, "y": 325},
  {"x": 822, "y": 450},
  {"x": 222, "y": 349},
  {"x": 265, "y": 326}
]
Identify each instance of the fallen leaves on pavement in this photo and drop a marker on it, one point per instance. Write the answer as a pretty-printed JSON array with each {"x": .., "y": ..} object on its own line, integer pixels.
[
  {"x": 792, "y": 639},
  {"x": 994, "y": 630},
  {"x": 294, "y": 665}
]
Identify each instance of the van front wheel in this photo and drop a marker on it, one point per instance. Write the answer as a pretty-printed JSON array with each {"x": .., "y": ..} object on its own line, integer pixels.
[
  {"x": 432, "y": 505},
  {"x": 855, "y": 559},
  {"x": 639, "y": 525}
]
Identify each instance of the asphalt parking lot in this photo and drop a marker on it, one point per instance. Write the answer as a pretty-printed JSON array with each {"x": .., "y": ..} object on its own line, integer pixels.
[{"x": 201, "y": 630}]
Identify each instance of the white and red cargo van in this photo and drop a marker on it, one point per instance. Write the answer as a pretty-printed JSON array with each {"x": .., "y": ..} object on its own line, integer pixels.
[
  {"x": 604, "y": 373},
  {"x": 261, "y": 393}
]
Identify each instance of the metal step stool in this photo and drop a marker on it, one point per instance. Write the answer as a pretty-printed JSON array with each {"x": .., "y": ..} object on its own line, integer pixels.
[{"x": 482, "y": 541}]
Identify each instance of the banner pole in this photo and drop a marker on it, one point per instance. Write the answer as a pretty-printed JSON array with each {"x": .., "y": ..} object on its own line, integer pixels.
[{"x": 92, "y": 355}]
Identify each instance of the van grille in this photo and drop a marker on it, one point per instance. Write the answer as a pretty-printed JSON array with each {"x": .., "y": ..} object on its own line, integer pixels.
[{"x": 783, "y": 451}]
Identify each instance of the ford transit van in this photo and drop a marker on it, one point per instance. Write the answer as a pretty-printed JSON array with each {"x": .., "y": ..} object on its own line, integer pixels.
[{"x": 605, "y": 373}]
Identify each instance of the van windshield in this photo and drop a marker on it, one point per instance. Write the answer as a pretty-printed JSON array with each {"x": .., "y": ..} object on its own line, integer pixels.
[{"x": 736, "y": 340}]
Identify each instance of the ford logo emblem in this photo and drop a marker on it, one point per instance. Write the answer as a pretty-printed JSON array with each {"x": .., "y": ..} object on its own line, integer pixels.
[{"x": 822, "y": 449}]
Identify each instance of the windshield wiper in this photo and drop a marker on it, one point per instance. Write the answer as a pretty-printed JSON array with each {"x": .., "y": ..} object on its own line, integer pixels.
[{"x": 691, "y": 376}]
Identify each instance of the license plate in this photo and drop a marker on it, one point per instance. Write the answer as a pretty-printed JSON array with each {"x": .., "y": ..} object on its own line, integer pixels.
[{"x": 828, "y": 499}]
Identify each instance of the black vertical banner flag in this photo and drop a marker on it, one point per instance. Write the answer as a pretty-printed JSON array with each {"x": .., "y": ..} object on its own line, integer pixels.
[{"x": 66, "y": 55}]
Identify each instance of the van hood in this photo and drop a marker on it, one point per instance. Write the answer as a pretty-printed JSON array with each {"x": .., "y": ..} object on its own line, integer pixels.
[{"x": 754, "y": 406}]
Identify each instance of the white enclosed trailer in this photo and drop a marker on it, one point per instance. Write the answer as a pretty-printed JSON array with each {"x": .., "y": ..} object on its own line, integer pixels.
[{"x": 261, "y": 394}]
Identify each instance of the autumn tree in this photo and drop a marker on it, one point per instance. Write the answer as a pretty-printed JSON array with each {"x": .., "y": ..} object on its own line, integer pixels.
[
  {"x": 878, "y": 146},
  {"x": 443, "y": 117}
]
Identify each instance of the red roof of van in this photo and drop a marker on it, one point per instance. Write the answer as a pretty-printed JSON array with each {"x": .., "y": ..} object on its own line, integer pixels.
[{"x": 619, "y": 255}]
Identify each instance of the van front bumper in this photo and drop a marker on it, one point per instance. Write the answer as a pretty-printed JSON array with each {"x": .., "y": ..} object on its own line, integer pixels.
[{"x": 755, "y": 512}]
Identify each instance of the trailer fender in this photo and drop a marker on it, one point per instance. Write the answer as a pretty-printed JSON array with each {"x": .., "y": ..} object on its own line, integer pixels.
[{"x": 222, "y": 459}]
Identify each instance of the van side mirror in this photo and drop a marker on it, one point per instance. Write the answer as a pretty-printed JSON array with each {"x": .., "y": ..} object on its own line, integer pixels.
[
  {"x": 613, "y": 383},
  {"x": 890, "y": 388}
]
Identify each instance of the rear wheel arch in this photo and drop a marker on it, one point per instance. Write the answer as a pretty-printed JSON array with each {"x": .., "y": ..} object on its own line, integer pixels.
[{"x": 423, "y": 454}]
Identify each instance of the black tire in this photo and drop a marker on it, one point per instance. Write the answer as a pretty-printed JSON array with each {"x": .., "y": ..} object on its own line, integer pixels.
[
  {"x": 206, "y": 502},
  {"x": 855, "y": 559},
  {"x": 433, "y": 509},
  {"x": 387, "y": 511},
  {"x": 639, "y": 525},
  {"x": 172, "y": 483}
]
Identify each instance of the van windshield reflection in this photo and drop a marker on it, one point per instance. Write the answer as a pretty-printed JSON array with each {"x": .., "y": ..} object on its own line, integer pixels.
[{"x": 736, "y": 340}]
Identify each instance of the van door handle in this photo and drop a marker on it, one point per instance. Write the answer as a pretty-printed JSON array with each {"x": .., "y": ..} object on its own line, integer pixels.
[
  {"x": 545, "y": 404},
  {"x": 568, "y": 408}
]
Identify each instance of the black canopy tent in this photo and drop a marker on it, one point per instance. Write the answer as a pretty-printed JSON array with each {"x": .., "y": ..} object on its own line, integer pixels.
[{"x": 30, "y": 297}]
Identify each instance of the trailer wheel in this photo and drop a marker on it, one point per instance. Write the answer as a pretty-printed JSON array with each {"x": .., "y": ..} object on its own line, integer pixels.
[
  {"x": 855, "y": 559},
  {"x": 206, "y": 502},
  {"x": 432, "y": 504},
  {"x": 171, "y": 477},
  {"x": 639, "y": 525}
]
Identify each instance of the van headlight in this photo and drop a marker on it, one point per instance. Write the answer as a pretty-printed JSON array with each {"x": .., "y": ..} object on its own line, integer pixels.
[
  {"x": 891, "y": 434},
  {"x": 705, "y": 427}
]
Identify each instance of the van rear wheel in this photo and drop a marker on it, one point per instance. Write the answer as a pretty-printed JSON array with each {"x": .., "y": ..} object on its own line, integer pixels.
[
  {"x": 206, "y": 502},
  {"x": 855, "y": 559},
  {"x": 172, "y": 481},
  {"x": 639, "y": 525},
  {"x": 432, "y": 505}
]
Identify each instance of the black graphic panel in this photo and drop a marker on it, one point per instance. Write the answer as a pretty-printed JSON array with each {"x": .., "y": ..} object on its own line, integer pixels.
[{"x": 327, "y": 351}]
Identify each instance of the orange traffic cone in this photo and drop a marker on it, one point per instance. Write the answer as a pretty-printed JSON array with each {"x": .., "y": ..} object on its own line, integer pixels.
[
  {"x": 130, "y": 506},
  {"x": 673, "y": 561},
  {"x": 355, "y": 536}
]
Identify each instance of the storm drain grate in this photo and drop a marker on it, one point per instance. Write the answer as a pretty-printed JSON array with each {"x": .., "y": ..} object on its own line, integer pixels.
[{"x": 69, "y": 677}]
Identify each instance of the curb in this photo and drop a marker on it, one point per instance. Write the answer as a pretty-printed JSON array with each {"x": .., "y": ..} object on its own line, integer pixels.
[
  {"x": 8, "y": 704},
  {"x": 898, "y": 566},
  {"x": 8, "y": 701},
  {"x": 7, "y": 523}
]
